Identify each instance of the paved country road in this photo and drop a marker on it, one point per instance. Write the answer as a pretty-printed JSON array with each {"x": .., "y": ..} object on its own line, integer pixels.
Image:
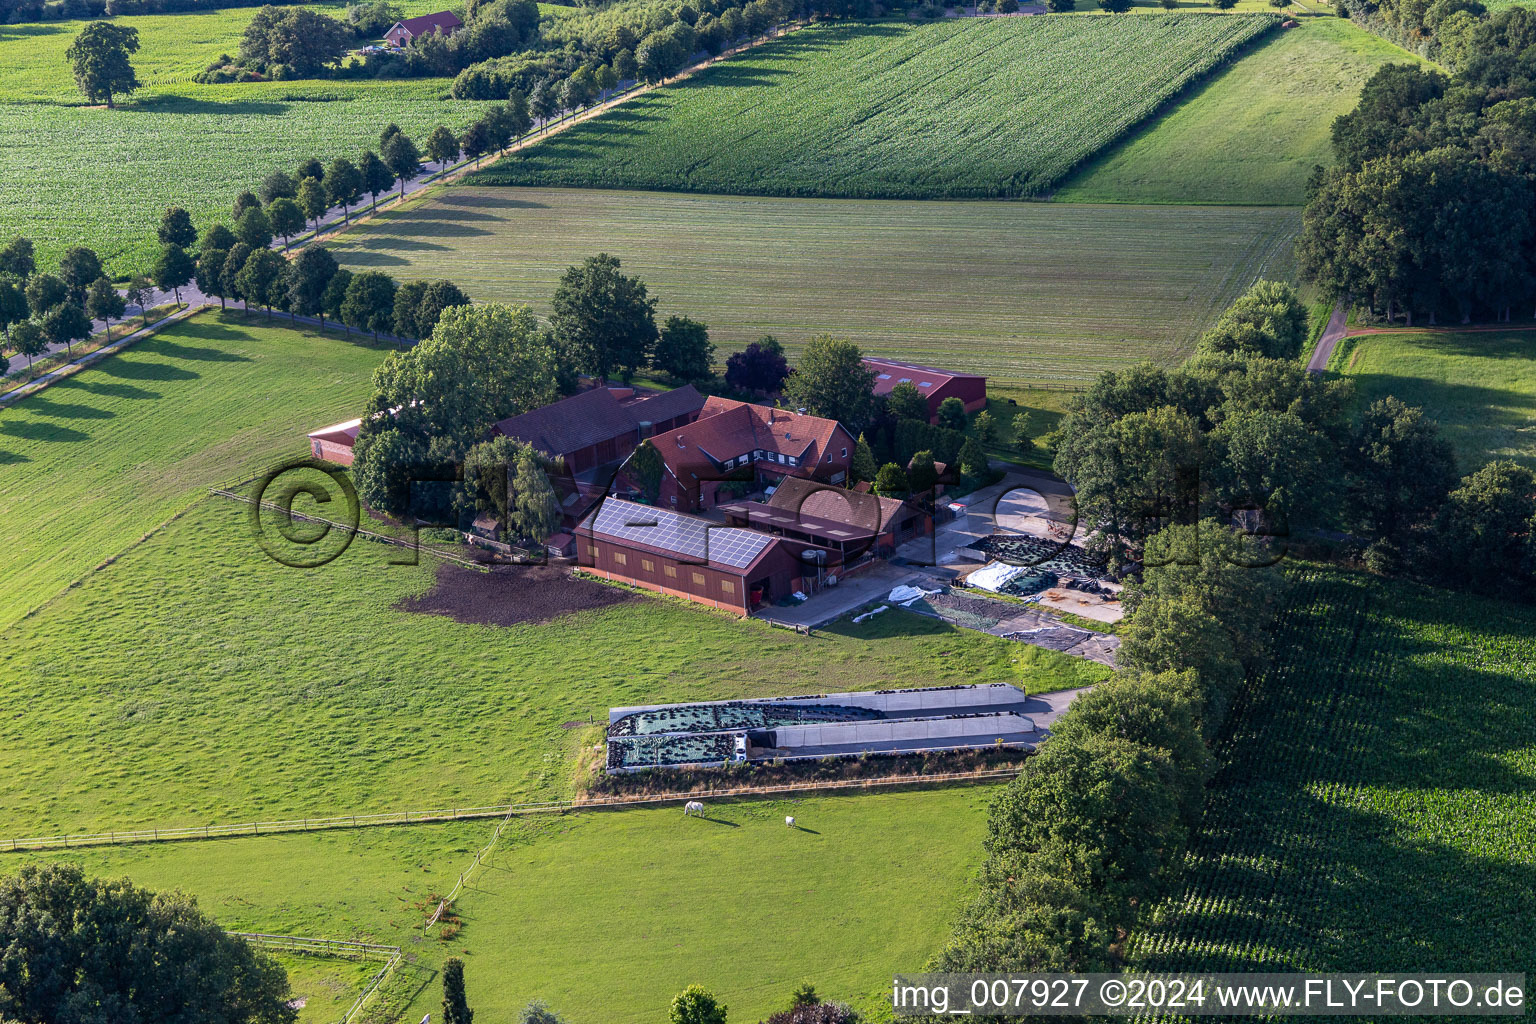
[{"x": 1331, "y": 336}]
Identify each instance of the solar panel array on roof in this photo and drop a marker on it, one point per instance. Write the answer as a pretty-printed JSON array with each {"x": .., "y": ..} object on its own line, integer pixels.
[{"x": 694, "y": 538}]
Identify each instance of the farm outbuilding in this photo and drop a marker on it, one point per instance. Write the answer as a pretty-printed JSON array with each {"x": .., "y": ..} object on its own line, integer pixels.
[
  {"x": 695, "y": 558},
  {"x": 934, "y": 385},
  {"x": 335, "y": 443}
]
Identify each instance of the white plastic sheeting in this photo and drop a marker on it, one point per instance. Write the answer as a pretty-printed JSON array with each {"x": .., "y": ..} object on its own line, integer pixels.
[{"x": 994, "y": 575}]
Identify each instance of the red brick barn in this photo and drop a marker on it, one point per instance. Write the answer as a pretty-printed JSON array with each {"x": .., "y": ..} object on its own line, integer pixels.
[
  {"x": 334, "y": 444},
  {"x": 935, "y": 385},
  {"x": 692, "y": 557}
]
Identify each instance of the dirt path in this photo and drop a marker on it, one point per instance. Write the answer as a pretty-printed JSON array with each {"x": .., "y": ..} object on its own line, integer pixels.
[{"x": 1332, "y": 334}]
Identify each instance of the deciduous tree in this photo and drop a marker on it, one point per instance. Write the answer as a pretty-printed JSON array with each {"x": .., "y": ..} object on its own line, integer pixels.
[
  {"x": 254, "y": 229},
  {"x": 312, "y": 200},
  {"x": 173, "y": 269},
  {"x": 603, "y": 318},
  {"x": 78, "y": 267},
  {"x": 66, "y": 324},
  {"x": 683, "y": 349},
  {"x": 285, "y": 218},
  {"x": 308, "y": 277},
  {"x": 696, "y": 1005},
  {"x": 264, "y": 279},
  {"x": 370, "y": 302},
  {"x": 402, "y": 158},
  {"x": 343, "y": 185},
  {"x": 831, "y": 380},
  {"x": 99, "y": 58},
  {"x": 104, "y": 303},
  {"x": 377, "y": 177},
  {"x": 82, "y": 949},
  {"x": 176, "y": 228},
  {"x": 760, "y": 366}
]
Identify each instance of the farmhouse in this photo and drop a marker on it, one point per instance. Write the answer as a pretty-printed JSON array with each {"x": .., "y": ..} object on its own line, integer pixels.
[
  {"x": 692, "y": 557},
  {"x": 935, "y": 385},
  {"x": 402, "y": 33},
  {"x": 751, "y": 444}
]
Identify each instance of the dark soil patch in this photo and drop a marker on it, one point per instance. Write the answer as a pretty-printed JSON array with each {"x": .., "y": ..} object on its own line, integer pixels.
[{"x": 512, "y": 594}]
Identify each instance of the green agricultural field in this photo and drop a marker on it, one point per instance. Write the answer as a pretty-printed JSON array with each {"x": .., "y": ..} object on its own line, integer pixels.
[
  {"x": 1479, "y": 385},
  {"x": 97, "y": 177},
  {"x": 229, "y": 688},
  {"x": 1251, "y": 134},
  {"x": 1373, "y": 811},
  {"x": 967, "y": 108},
  {"x": 172, "y": 48},
  {"x": 746, "y": 906},
  {"x": 94, "y": 462},
  {"x": 607, "y": 916},
  {"x": 1022, "y": 292}
]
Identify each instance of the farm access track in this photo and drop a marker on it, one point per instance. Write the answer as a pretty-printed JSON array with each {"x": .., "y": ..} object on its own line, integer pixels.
[{"x": 348, "y": 821}]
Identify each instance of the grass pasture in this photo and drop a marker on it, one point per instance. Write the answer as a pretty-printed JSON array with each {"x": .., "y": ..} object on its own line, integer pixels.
[
  {"x": 738, "y": 902},
  {"x": 968, "y": 108},
  {"x": 1480, "y": 386},
  {"x": 1252, "y": 132},
  {"x": 1373, "y": 810},
  {"x": 95, "y": 461},
  {"x": 607, "y": 916},
  {"x": 230, "y": 688},
  {"x": 1023, "y": 292}
]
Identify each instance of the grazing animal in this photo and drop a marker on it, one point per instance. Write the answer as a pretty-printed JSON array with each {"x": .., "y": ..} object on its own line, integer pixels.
[
  {"x": 789, "y": 822},
  {"x": 693, "y": 807}
]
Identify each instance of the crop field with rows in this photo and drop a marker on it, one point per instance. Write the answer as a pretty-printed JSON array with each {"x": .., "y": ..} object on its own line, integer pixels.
[
  {"x": 988, "y": 107},
  {"x": 172, "y": 48},
  {"x": 1022, "y": 292},
  {"x": 1373, "y": 811},
  {"x": 102, "y": 178}
]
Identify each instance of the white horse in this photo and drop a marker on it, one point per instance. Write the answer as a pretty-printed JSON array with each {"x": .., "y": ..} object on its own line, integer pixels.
[
  {"x": 693, "y": 807},
  {"x": 789, "y": 822}
]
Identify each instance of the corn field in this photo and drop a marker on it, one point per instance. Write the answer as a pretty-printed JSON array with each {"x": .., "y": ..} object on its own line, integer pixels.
[
  {"x": 1374, "y": 808},
  {"x": 974, "y": 108}
]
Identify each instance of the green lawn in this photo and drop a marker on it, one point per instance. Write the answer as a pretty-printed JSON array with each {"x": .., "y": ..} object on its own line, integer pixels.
[
  {"x": 960, "y": 109},
  {"x": 1373, "y": 811},
  {"x": 97, "y": 460},
  {"x": 607, "y": 916},
  {"x": 1022, "y": 292},
  {"x": 228, "y": 687},
  {"x": 604, "y": 915},
  {"x": 172, "y": 48},
  {"x": 1479, "y": 385},
  {"x": 1252, "y": 133}
]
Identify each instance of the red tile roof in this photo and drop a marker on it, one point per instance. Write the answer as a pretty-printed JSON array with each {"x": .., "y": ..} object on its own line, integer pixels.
[
  {"x": 889, "y": 373},
  {"x": 727, "y": 429},
  {"x": 443, "y": 21}
]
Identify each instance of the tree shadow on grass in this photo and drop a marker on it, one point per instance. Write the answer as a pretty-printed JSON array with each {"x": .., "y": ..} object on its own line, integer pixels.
[
  {"x": 109, "y": 389},
  {"x": 43, "y": 405},
  {"x": 145, "y": 371},
  {"x": 1475, "y": 418},
  {"x": 29, "y": 431},
  {"x": 372, "y": 242},
  {"x": 12, "y": 458},
  {"x": 219, "y": 108},
  {"x": 487, "y": 200}
]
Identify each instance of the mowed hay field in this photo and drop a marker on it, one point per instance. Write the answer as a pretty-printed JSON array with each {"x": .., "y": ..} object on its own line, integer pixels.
[
  {"x": 95, "y": 461},
  {"x": 978, "y": 107},
  {"x": 197, "y": 680},
  {"x": 1252, "y": 133},
  {"x": 103, "y": 178},
  {"x": 1021, "y": 292},
  {"x": 1480, "y": 386},
  {"x": 1373, "y": 811}
]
